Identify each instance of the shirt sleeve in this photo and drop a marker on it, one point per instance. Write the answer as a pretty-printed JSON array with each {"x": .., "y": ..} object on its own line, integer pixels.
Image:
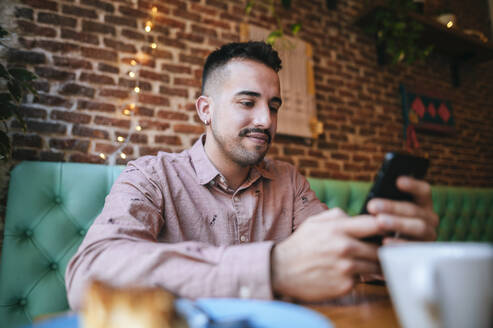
[
  {"x": 122, "y": 248},
  {"x": 306, "y": 202}
]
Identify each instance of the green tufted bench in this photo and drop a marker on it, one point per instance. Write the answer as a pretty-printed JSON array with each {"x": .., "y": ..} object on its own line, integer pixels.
[{"x": 51, "y": 205}]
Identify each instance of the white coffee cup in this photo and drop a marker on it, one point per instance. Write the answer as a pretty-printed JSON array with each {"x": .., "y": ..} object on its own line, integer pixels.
[{"x": 440, "y": 284}]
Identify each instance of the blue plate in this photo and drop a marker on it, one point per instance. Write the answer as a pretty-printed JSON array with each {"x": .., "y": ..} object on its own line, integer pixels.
[{"x": 261, "y": 314}]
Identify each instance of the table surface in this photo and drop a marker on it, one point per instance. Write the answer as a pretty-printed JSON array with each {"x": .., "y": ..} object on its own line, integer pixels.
[{"x": 367, "y": 306}]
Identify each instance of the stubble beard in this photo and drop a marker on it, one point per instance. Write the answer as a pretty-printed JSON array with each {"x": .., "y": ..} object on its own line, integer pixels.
[{"x": 236, "y": 152}]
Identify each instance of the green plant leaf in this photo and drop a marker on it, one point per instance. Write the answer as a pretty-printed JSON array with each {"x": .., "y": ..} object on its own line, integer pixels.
[
  {"x": 15, "y": 90},
  {"x": 286, "y": 4},
  {"x": 249, "y": 7},
  {"x": 6, "y": 111},
  {"x": 273, "y": 36},
  {"x": 295, "y": 28},
  {"x": 3, "y": 72},
  {"x": 4, "y": 146},
  {"x": 22, "y": 74},
  {"x": 18, "y": 116}
]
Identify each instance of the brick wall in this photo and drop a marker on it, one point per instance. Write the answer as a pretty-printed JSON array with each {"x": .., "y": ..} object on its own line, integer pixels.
[{"x": 81, "y": 50}]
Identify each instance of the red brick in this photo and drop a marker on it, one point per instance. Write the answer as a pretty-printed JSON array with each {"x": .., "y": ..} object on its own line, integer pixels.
[
  {"x": 79, "y": 11},
  {"x": 143, "y": 151},
  {"x": 70, "y": 144},
  {"x": 144, "y": 74},
  {"x": 176, "y": 68},
  {"x": 166, "y": 21},
  {"x": 71, "y": 117},
  {"x": 191, "y": 60},
  {"x": 308, "y": 163},
  {"x": 54, "y": 74},
  {"x": 108, "y": 121},
  {"x": 186, "y": 15},
  {"x": 168, "y": 140},
  {"x": 167, "y": 115},
  {"x": 133, "y": 35},
  {"x": 188, "y": 129},
  {"x": 26, "y": 13},
  {"x": 76, "y": 89},
  {"x": 131, "y": 12},
  {"x": 190, "y": 37},
  {"x": 187, "y": 82},
  {"x": 105, "y": 148},
  {"x": 216, "y": 23},
  {"x": 41, "y": 4},
  {"x": 108, "y": 68},
  {"x": 119, "y": 20},
  {"x": 153, "y": 100},
  {"x": 50, "y": 100},
  {"x": 114, "y": 93},
  {"x": 84, "y": 131},
  {"x": 25, "y": 57},
  {"x": 23, "y": 140},
  {"x": 293, "y": 151},
  {"x": 50, "y": 156},
  {"x": 53, "y": 19},
  {"x": 44, "y": 127},
  {"x": 217, "y": 4},
  {"x": 204, "y": 9},
  {"x": 91, "y": 26},
  {"x": 99, "y": 54},
  {"x": 144, "y": 111},
  {"x": 120, "y": 46},
  {"x": 80, "y": 36},
  {"x": 25, "y": 155},
  {"x": 85, "y": 158},
  {"x": 174, "y": 43},
  {"x": 97, "y": 106},
  {"x": 138, "y": 138},
  {"x": 73, "y": 63},
  {"x": 154, "y": 125},
  {"x": 96, "y": 78},
  {"x": 204, "y": 30},
  {"x": 32, "y": 112},
  {"x": 106, "y": 6},
  {"x": 163, "y": 54},
  {"x": 177, "y": 92},
  {"x": 42, "y": 86}
]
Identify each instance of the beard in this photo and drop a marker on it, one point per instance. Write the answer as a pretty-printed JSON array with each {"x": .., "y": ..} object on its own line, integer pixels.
[{"x": 234, "y": 149}]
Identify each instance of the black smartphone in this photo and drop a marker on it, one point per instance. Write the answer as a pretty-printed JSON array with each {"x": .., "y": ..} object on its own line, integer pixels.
[{"x": 394, "y": 165}]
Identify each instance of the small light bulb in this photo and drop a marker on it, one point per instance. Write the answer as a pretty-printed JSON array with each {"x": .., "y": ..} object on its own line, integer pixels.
[
  {"x": 123, "y": 155},
  {"x": 131, "y": 74},
  {"x": 132, "y": 106},
  {"x": 149, "y": 23},
  {"x": 137, "y": 89},
  {"x": 103, "y": 156},
  {"x": 148, "y": 28},
  {"x": 120, "y": 139},
  {"x": 133, "y": 62},
  {"x": 126, "y": 112},
  {"x": 138, "y": 128},
  {"x": 450, "y": 24},
  {"x": 153, "y": 45},
  {"x": 154, "y": 10}
]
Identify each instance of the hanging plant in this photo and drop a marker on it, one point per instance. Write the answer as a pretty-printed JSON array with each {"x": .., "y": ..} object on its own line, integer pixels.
[
  {"x": 15, "y": 83},
  {"x": 398, "y": 35}
]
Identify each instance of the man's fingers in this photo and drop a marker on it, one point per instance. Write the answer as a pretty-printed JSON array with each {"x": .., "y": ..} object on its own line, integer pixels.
[
  {"x": 402, "y": 208},
  {"x": 421, "y": 190},
  {"x": 410, "y": 227},
  {"x": 356, "y": 249},
  {"x": 353, "y": 267},
  {"x": 359, "y": 226}
]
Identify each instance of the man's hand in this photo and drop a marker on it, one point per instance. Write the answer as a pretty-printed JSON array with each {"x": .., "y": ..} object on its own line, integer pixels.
[
  {"x": 323, "y": 257},
  {"x": 410, "y": 220}
]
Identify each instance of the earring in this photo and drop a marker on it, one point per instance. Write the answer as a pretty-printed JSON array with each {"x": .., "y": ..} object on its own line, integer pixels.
[{"x": 206, "y": 122}]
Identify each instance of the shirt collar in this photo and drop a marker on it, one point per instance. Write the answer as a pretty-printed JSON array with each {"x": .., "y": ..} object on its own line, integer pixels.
[{"x": 206, "y": 171}]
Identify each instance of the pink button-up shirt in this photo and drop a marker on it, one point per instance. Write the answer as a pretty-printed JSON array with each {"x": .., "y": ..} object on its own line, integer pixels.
[{"x": 171, "y": 220}]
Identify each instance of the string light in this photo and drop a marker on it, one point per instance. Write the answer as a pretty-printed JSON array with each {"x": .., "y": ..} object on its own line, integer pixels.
[
  {"x": 450, "y": 24},
  {"x": 154, "y": 10},
  {"x": 138, "y": 128},
  {"x": 137, "y": 89},
  {"x": 133, "y": 62},
  {"x": 153, "y": 45},
  {"x": 123, "y": 155},
  {"x": 120, "y": 139},
  {"x": 131, "y": 74},
  {"x": 126, "y": 112},
  {"x": 132, "y": 106},
  {"x": 148, "y": 27},
  {"x": 103, "y": 156}
]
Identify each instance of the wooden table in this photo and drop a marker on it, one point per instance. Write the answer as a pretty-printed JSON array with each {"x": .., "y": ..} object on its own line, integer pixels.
[{"x": 367, "y": 306}]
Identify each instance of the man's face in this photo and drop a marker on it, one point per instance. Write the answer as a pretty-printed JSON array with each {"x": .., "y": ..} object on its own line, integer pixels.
[{"x": 244, "y": 112}]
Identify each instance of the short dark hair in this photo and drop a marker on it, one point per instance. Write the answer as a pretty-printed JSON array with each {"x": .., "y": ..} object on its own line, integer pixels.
[{"x": 255, "y": 50}]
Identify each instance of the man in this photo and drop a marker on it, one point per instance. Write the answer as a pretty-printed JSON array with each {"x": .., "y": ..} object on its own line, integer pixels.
[{"x": 220, "y": 220}]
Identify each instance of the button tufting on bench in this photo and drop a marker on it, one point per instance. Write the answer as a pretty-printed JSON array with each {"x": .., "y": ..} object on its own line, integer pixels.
[
  {"x": 82, "y": 232},
  {"x": 58, "y": 200},
  {"x": 53, "y": 266},
  {"x": 22, "y": 302},
  {"x": 28, "y": 233}
]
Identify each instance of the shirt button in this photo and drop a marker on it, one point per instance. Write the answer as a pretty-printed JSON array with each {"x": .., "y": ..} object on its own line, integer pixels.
[
  {"x": 236, "y": 199},
  {"x": 243, "y": 238},
  {"x": 244, "y": 292}
]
